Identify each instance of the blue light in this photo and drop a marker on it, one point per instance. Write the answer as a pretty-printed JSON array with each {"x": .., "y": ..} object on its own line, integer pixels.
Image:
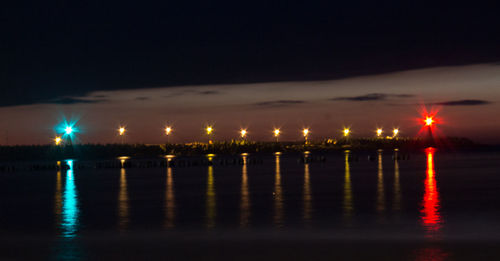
[{"x": 68, "y": 130}]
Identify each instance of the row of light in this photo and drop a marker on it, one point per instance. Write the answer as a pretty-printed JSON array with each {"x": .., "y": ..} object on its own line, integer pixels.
[{"x": 429, "y": 121}]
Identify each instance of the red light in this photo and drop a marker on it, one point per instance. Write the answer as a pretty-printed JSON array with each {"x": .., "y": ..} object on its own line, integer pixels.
[{"x": 429, "y": 121}]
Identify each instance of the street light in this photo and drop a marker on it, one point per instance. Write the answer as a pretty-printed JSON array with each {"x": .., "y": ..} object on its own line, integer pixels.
[
  {"x": 209, "y": 129},
  {"x": 243, "y": 133},
  {"x": 305, "y": 132},
  {"x": 57, "y": 140},
  {"x": 429, "y": 121},
  {"x": 276, "y": 132},
  {"x": 68, "y": 130},
  {"x": 168, "y": 130},
  {"x": 395, "y": 132},
  {"x": 346, "y": 132},
  {"x": 121, "y": 132},
  {"x": 379, "y": 132}
]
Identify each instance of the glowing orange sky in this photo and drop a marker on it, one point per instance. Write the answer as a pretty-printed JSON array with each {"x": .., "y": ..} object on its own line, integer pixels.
[{"x": 363, "y": 103}]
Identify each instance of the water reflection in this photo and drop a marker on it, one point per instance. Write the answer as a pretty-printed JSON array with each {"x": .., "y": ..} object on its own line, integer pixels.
[
  {"x": 278, "y": 194},
  {"x": 58, "y": 195},
  {"x": 396, "y": 206},
  {"x": 347, "y": 203},
  {"x": 67, "y": 215},
  {"x": 430, "y": 215},
  {"x": 169, "y": 199},
  {"x": 210, "y": 197},
  {"x": 245, "y": 195},
  {"x": 123, "y": 208},
  {"x": 70, "y": 211},
  {"x": 380, "y": 188},
  {"x": 307, "y": 193}
]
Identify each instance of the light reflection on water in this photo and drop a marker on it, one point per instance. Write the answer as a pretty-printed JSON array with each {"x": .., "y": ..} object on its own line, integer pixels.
[
  {"x": 169, "y": 200},
  {"x": 397, "y": 185},
  {"x": 123, "y": 207},
  {"x": 307, "y": 194},
  {"x": 430, "y": 212},
  {"x": 347, "y": 203},
  {"x": 380, "y": 188},
  {"x": 245, "y": 195},
  {"x": 211, "y": 210},
  {"x": 70, "y": 211},
  {"x": 67, "y": 216},
  {"x": 278, "y": 194}
]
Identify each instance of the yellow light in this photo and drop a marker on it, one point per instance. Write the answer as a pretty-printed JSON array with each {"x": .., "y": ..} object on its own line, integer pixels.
[
  {"x": 243, "y": 133},
  {"x": 209, "y": 130},
  {"x": 395, "y": 132},
  {"x": 57, "y": 140},
  {"x": 379, "y": 132},
  {"x": 346, "y": 132},
  {"x": 429, "y": 121},
  {"x": 121, "y": 131},
  {"x": 276, "y": 132},
  {"x": 305, "y": 132},
  {"x": 168, "y": 130}
]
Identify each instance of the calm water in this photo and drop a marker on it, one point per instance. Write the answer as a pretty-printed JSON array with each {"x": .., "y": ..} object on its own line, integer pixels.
[{"x": 432, "y": 206}]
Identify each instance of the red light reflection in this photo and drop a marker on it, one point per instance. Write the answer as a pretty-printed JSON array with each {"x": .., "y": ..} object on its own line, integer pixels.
[{"x": 431, "y": 218}]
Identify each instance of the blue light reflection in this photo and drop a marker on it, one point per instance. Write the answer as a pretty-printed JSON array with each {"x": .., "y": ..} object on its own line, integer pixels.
[{"x": 69, "y": 224}]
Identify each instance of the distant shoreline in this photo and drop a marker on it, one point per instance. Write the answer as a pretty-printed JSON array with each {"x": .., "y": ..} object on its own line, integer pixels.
[{"x": 108, "y": 151}]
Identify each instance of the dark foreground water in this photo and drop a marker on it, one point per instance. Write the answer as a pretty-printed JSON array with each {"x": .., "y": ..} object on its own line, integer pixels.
[{"x": 432, "y": 206}]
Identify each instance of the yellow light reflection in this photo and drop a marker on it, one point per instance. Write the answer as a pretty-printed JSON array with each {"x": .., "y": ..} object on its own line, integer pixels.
[
  {"x": 58, "y": 195},
  {"x": 123, "y": 208},
  {"x": 380, "y": 188},
  {"x": 245, "y": 195},
  {"x": 169, "y": 199},
  {"x": 278, "y": 195},
  {"x": 397, "y": 186},
  {"x": 347, "y": 204},
  {"x": 211, "y": 210},
  {"x": 307, "y": 194}
]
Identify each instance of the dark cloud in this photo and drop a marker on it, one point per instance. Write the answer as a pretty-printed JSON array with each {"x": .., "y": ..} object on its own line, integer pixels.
[
  {"x": 463, "y": 103},
  {"x": 50, "y": 45},
  {"x": 208, "y": 92},
  {"x": 372, "y": 97},
  {"x": 72, "y": 100},
  {"x": 142, "y": 98},
  {"x": 279, "y": 103},
  {"x": 194, "y": 92}
]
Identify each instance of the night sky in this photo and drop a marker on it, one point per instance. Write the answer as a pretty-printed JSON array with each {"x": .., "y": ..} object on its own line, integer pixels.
[{"x": 253, "y": 64}]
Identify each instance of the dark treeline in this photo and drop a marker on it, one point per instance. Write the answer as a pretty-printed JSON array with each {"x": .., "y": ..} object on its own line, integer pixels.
[{"x": 106, "y": 151}]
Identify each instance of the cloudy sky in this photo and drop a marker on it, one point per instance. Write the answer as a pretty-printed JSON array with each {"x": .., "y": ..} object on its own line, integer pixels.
[{"x": 257, "y": 65}]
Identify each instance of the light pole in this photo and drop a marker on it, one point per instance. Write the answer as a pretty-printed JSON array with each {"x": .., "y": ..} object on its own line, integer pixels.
[
  {"x": 121, "y": 132},
  {"x": 209, "y": 130},
  {"x": 168, "y": 130},
  {"x": 276, "y": 134},
  {"x": 305, "y": 132}
]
